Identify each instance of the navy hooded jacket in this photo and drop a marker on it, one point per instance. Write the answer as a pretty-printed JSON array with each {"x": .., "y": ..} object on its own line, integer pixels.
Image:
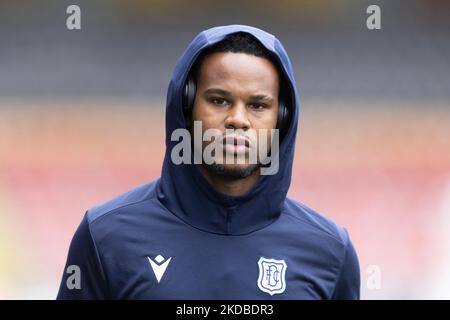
[{"x": 178, "y": 238}]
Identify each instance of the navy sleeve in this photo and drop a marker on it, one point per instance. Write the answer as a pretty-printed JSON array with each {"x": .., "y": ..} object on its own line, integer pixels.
[
  {"x": 83, "y": 262},
  {"x": 348, "y": 282}
]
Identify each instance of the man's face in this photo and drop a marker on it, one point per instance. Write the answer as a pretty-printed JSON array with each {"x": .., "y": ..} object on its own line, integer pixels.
[{"x": 237, "y": 91}]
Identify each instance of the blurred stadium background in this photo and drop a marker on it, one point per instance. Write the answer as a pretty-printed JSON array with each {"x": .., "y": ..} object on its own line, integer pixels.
[{"x": 81, "y": 120}]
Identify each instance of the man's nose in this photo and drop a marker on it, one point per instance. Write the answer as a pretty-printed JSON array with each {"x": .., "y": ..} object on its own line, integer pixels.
[{"x": 237, "y": 117}]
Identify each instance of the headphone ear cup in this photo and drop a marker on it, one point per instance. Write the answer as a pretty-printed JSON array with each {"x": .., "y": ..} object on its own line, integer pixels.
[
  {"x": 283, "y": 119},
  {"x": 189, "y": 95}
]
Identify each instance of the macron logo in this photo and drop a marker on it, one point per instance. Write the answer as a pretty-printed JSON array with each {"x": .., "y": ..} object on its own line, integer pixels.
[{"x": 159, "y": 266}]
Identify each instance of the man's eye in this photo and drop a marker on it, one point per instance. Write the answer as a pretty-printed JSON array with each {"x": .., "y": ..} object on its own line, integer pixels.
[
  {"x": 257, "y": 106},
  {"x": 219, "y": 101}
]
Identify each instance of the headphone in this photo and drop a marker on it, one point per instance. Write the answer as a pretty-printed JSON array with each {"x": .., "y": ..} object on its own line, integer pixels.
[{"x": 283, "y": 120}]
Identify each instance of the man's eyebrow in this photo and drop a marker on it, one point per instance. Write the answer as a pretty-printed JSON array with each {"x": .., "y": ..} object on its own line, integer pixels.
[
  {"x": 261, "y": 97},
  {"x": 225, "y": 93},
  {"x": 218, "y": 91}
]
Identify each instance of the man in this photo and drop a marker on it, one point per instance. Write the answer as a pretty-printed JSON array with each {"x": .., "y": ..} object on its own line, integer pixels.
[{"x": 218, "y": 229}]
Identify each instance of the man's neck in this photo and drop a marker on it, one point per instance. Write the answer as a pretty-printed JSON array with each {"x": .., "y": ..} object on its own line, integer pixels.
[{"x": 231, "y": 187}]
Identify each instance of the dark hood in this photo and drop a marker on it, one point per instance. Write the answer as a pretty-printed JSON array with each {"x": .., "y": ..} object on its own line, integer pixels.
[{"x": 183, "y": 189}]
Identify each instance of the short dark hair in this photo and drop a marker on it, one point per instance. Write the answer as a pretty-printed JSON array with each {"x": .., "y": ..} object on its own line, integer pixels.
[{"x": 239, "y": 42}]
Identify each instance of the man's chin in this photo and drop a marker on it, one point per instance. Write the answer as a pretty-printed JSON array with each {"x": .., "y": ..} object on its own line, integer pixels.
[{"x": 232, "y": 172}]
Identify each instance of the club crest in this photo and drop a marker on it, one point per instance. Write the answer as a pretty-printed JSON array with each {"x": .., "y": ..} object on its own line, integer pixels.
[{"x": 272, "y": 275}]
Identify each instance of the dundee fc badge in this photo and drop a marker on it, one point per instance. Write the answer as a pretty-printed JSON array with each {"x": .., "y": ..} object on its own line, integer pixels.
[{"x": 272, "y": 275}]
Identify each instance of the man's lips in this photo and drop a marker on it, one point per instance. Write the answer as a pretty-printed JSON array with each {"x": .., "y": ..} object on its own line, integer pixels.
[
  {"x": 236, "y": 145},
  {"x": 236, "y": 141}
]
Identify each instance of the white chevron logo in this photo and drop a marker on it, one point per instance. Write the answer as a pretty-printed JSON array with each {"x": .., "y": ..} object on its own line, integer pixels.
[{"x": 159, "y": 266}]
